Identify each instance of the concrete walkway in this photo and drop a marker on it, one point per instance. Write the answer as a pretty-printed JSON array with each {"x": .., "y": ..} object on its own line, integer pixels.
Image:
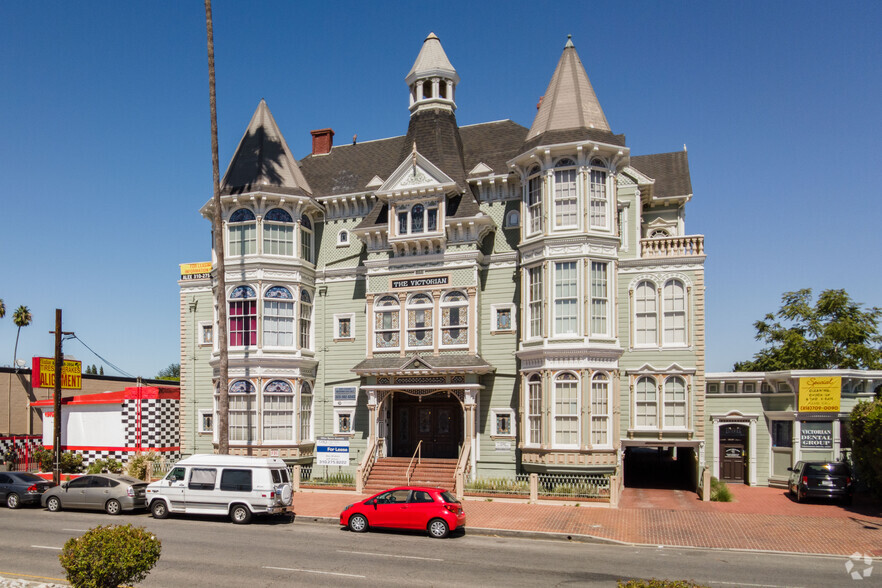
[{"x": 765, "y": 519}]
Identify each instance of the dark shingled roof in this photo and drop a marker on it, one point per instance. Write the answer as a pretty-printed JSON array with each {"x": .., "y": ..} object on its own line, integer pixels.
[
  {"x": 493, "y": 143},
  {"x": 437, "y": 138},
  {"x": 432, "y": 363},
  {"x": 669, "y": 170},
  {"x": 349, "y": 168},
  {"x": 573, "y": 135}
]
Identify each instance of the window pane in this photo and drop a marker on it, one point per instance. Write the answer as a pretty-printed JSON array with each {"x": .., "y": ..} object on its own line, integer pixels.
[
  {"x": 565, "y": 203},
  {"x": 599, "y": 298},
  {"x": 565, "y": 298}
]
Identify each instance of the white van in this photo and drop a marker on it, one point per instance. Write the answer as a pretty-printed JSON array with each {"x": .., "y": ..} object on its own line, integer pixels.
[{"x": 232, "y": 485}]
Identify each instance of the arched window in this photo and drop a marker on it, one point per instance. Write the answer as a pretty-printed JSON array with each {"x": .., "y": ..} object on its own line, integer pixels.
[
  {"x": 305, "y": 412},
  {"x": 598, "y": 214},
  {"x": 306, "y": 239},
  {"x": 242, "y": 230},
  {"x": 674, "y": 294},
  {"x": 419, "y": 321},
  {"x": 512, "y": 219},
  {"x": 566, "y": 410},
  {"x": 305, "y": 319},
  {"x": 386, "y": 312},
  {"x": 565, "y": 199},
  {"x": 675, "y": 403},
  {"x": 534, "y": 201},
  {"x": 416, "y": 218},
  {"x": 534, "y": 409},
  {"x": 243, "y": 317},
  {"x": 343, "y": 237},
  {"x": 646, "y": 404},
  {"x": 278, "y": 317},
  {"x": 278, "y": 411},
  {"x": 243, "y": 412},
  {"x": 645, "y": 315},
  {"x": 278, "y": 233},
  {"x": 600, "y": 406},
  {"x": 454, "y": 319}
]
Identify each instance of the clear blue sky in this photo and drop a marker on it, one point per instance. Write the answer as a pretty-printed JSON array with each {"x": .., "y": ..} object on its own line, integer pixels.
[{"x": 105, "y": 147}]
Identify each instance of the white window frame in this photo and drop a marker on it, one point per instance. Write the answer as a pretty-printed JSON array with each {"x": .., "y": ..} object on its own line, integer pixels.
[
  {"x": 512, "y": 219},
  {"x": 338, "y": 412},
  {"x": 574, "y": 416},
  {"x": 599, "y": 298},
  {"x": 648, "y": 314},
  {"x": 394, "y": 330},
  {"x": 654, "y": 424},
  {"x": 292, "y": 397},
  {"x": 254, "y": 410},
  {"x": 497, "y": 412},
  {"x": 429, "y": 310},
  {"x": 573, "y": 297},
  {"x": 533, "y": 202},
  {"x": 598, "y": 416},
  {"x": 566, "y": 166},
  {"x": 535, "y": 300},
  {"x": 463, "y": 307},
  {"x": 670, "y": 316},
  {"x": 255, "y": 299},
  {"x": 206, "y": 327},
  {"x": 310, "y": 422},
  {"x": 669, "y": 404},
  {"x": 534, "y": 410},
  {"x": 343, "y": 238},
  {"x": 274, "y": 317},
  {"x": 598, "y": 192},
  {"x": 307, "y": 240},
  {"x": 337, "y": 319},
  {"x": 494, "y": 312},
  {"x": 206, "y": 412},
  {"x": 279, "y": 234},
  {"x": 246, "y": 232},
  {"x": 305, "y": 336}
]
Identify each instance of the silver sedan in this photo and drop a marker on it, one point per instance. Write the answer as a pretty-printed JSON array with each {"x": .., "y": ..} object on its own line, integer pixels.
[{"x": 112, "y": 493}]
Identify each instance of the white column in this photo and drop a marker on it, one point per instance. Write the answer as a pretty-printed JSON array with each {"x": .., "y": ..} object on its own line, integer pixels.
[
  {"x": 716, "y": 449},
  {"x": 751, "y": 460},
  {"x": 796, "y": 454}
]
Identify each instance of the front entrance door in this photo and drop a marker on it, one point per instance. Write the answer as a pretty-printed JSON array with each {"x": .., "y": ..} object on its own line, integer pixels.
[
  {"x": 435, "y": 422},
  {"x": 733, "y": 453}
]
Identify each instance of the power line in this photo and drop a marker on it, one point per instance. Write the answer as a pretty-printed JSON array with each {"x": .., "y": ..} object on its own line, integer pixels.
[{"x": 123, "y": 372}]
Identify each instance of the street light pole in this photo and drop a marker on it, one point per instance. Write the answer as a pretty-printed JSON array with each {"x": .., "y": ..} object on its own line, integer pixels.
[{"x": 56, "y": 421}]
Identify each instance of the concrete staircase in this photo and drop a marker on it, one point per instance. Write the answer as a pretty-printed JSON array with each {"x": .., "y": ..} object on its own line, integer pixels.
[{"x": 389, "y": 472}]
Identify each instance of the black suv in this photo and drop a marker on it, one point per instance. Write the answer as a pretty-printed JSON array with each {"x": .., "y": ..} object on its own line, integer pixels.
[{"x": 821, "y": 479}]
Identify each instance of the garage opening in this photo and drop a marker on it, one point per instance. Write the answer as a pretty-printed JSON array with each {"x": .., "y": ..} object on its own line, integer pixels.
[{"x": 671, "y": 468}]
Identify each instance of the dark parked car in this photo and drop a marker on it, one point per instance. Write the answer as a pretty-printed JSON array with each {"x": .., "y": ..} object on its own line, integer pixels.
[
  {"x": 18, "y": 488},
  {"x": 412, "y": 507},
  {"x": 821, "y": 479},
  {"x": 112, "y": 493}
]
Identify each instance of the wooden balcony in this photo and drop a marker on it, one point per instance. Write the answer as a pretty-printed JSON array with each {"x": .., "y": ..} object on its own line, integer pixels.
[{"x": 685, "y": 246}]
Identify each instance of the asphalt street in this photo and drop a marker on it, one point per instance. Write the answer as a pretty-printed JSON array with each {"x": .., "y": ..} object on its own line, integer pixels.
[{"x": 204, "y": 551}]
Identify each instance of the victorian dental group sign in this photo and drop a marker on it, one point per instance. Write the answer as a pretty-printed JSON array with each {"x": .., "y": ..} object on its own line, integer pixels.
[
  {"x": 43, "y": 374},
  {"x": 820, "y": 394}
]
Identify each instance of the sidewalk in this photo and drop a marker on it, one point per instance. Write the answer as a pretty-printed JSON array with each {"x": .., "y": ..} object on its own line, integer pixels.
[{"x": 758, "y": 518}]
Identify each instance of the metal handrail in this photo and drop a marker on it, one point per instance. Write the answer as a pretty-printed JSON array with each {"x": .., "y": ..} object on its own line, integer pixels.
[
  {"x": 364, "y": 469},
  {"x": 462, "y": 468},
  {"x": 417, "y": 455}
]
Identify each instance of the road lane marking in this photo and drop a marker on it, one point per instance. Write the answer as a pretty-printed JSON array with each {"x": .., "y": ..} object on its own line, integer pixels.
[
  {"x": 390, "y": 555},
  {"x": 20, "y": 575},
  {"x": 77, "y": 530},
  {"x": 46, "y": 547},
  {"x": 755, "y": 585},
  {"x": 313, "y": 572}
]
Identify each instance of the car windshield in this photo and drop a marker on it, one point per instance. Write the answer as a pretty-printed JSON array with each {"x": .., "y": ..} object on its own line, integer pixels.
[
  {"x": 448, "y": 497},
  {"x": 827, "y": 469},
  {"x": 26, "y": 477}
]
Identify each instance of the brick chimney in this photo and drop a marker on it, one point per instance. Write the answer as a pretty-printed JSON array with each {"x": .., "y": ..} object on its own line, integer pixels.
[{"x": 322, "y": 141}]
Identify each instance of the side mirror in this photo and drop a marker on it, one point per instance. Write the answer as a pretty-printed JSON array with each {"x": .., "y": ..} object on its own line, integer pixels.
[
  {"x": 64, "y": 485},
  {"x": 789, "y": 469}
]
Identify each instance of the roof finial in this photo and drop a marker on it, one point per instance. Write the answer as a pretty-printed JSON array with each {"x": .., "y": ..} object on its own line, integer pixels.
[{"x": 569, "y": 42}]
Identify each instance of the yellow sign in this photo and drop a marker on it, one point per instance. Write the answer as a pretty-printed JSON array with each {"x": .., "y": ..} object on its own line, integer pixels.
[
  {"x": 820, "y": 394},
  {"x": 195, "y": 271},
  {"x": 43, "y": 374}
]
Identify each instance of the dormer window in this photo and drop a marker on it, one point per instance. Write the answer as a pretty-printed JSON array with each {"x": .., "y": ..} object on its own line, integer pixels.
[
  {"x": 416, "y": 218},
  {"x": 419, "y": 218}
]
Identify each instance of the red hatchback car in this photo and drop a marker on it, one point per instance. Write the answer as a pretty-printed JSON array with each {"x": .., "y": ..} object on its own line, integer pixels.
[{"x": 408, "y": 507}]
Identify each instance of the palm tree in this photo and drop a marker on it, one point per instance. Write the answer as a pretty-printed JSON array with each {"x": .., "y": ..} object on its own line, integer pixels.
[
  {"x": 2, "y": 308},
  {"x": 22, "y": 318},
  {"x": 223, "y": 388}
]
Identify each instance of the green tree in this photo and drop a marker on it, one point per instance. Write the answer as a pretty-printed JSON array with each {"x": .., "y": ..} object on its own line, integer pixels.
[
  {"x": 101, "y": 371},
  {"x": 172, "y": 372},
  {"x": 835, "y": 332},
  {"x": 866, "y": 443},
  {"x": 22, "y": 318},
  {"x": 2, "y": 308}
]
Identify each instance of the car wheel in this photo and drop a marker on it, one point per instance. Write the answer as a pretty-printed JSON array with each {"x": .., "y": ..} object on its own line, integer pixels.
[
  {"x": 240, "y": 514},
  {"x": 159, "y": 509},
  {"x": 847, "y": 500},
  {"x": 113, "y": 507},
  {"x": 438, "y": 529},
  {"x": 13, "y": 500},
  {"x": 358, "y": 523},
  {"x": 53, "y": 504}
]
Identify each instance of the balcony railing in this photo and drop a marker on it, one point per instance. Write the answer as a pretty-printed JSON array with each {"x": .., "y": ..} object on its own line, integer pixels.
[{"x": 685, "y": 246}]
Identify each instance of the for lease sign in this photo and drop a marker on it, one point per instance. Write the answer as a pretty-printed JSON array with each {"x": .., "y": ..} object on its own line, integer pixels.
[
  {"x": 43, "y": 374},
  {"x": 820, "y": 394},
  {"x": 331, "y": 451}
]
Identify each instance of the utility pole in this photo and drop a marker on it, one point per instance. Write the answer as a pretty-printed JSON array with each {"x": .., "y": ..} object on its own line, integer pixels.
[{"x": 56, "y": 421}]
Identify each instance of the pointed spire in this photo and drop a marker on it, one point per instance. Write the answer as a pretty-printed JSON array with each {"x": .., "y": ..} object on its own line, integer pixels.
[
  {"x": 263, "y": 160},
  {"x": 432, "y": 61},
  {"x": 569, "y": 101}
]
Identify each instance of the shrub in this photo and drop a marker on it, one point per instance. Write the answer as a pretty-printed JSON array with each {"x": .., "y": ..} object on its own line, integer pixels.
[
  {"x": 866, "y": 442},
  {"x": 500, "y": 485},
  {"x": 720, "y": 491},
  {"x": 104, "y": 465},
  {"x": 71, "y": 463},
  {"x": 137, "y": 465},
  {"x": 110, "y": 556},
  {"x": 653, "y": 583}
]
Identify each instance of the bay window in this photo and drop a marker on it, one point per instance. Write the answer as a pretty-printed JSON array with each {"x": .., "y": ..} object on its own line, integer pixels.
[
  {"x": 534, "y": 409},
  {"x": 243, "y": 317},
  {"x": 565, "y": 199},
  {"x": 243, "y": 412},
  {"x": 566, "y": 302},
  {"x": 278, "y": 233},
  {"x": 598, "y": 202},
  {"x": 534, "y": 302},
  {"x": 278, "y": 411},
  {"x": 599, "y": 298},
  {"x": 600, "y": 405},
  {"x": 242, "y": 231},
  {"x": 305, "y": 319},
  {"x": 306, "y": 239},
  {"x": 305, "y": 412},
  {"x": 566, "y": 411},
  {"x": 534, "y": 201},
  {"x": 278, "y": 318}
]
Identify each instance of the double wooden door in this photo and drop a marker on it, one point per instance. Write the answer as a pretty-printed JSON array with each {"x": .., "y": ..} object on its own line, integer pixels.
[{"x": 437, "y": 423}]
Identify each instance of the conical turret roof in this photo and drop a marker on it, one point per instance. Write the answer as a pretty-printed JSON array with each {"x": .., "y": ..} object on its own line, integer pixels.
[
  {"x": 432, "y": 61},
  {"x": 263, "y": 160},
  {"x": 569, "y": 101}
]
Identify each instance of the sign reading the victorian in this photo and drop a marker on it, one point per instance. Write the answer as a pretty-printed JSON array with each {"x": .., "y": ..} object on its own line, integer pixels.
[
  {"x": 820, "y": 394},
  {"x": 421, "y": 282}
]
